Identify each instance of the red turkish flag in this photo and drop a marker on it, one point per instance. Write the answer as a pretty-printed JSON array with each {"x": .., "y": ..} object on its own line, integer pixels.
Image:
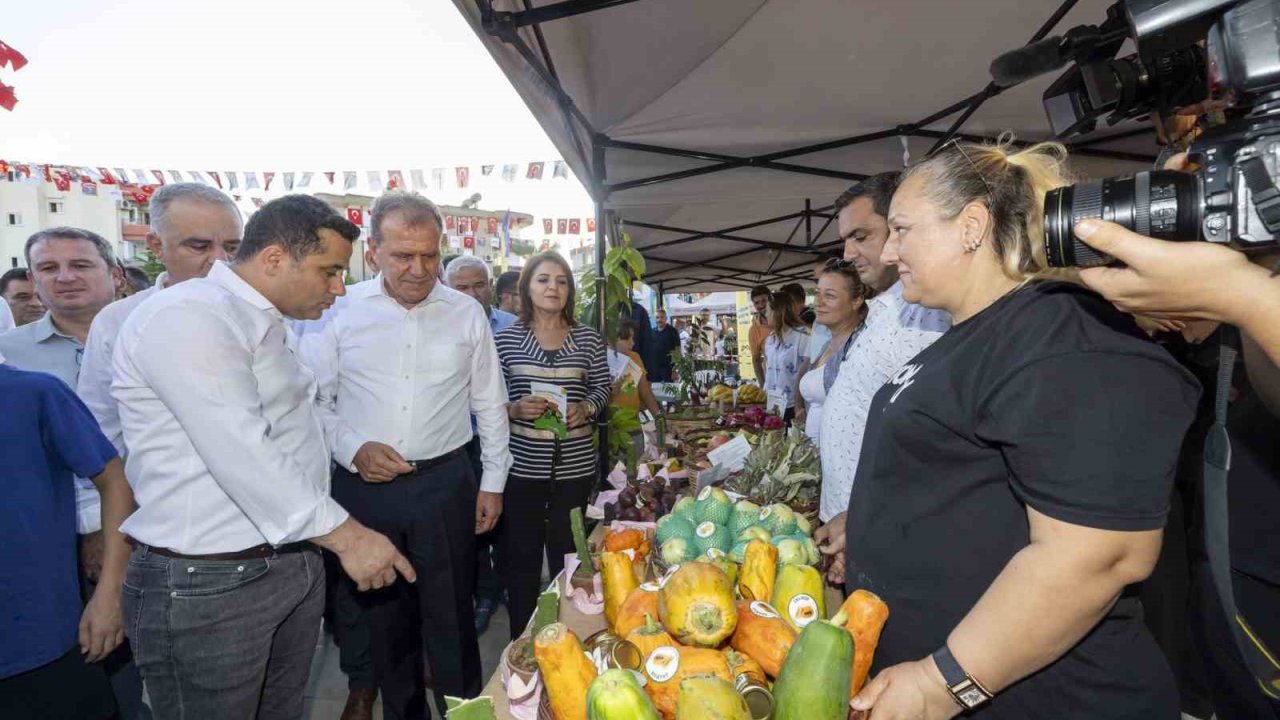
[
  {"x": 493, "y": 226},
  {"x": 464, "y": 175},
  {"x": 216, "y": 178},
  {"x": 475, "y": 224},
  {"x": 356, "y": 215},
  {"x": 267, "y": 177},
  {"x": 12, "y": 57},
  {"x": 450, "y": 222},
  {"x": 8, "y": 100},
  {"x": 4, "y": 168},
  {"x": 562, "y": 226},
  {"x": 329, "y": 176},
  {"x": 575, "y": 226},
  {"x": 107, "y": 177},
  {"x": 138, "y": 197},
  {"x": 395, "y": 179},
  {"x": 159, "y": 176},
  {"x": 24, "y": 169},
  {"x": 148, "y": 190},
  {"x": 546, "y": 226},
  {"x": 535, "y": 171},
  {"x": 591, "y": 225},
  {"x": 48, "y": 174},
  {"x": 468, "y": 242},
  {"x": 63, "y": 183}
]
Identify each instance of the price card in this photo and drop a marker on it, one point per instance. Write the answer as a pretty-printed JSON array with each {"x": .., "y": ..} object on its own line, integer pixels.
[
  {"x": 732, "y": 455},
  {"x": 554, "y": 393}
]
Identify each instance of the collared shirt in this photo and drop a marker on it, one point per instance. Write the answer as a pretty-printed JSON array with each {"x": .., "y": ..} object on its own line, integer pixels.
[
  {"x": 6, "y": 316},
  {"x": 94, "y": 386},
  {"x": 500, "y": 320},
  {"x": 410, "y": 378},
  {"x": 895, "y": 332},
  {"x": 226, "y": 445},
  {"x": 42, "y": 347}
]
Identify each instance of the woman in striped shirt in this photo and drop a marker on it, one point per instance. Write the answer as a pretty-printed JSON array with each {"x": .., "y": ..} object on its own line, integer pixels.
[{"x": 545, "y": 353}]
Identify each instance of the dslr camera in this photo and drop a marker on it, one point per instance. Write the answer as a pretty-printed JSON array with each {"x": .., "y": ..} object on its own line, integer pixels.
[{"x": 1188, "y": 51}]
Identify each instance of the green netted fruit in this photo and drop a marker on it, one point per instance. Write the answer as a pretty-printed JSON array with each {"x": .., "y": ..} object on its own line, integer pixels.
[
  {"x": 739, "y": 551},
  {"x": 745, "y": 514},
  {"x": 709, "y": 536},
  {"x": 791, "y": 552},
  {"x": 671, "y": 526},
  {"x": 684, "y": 508},
  {"x": 676, "y": 550},
  {"x": 778, "y": 519},
  {"x": 755, "y": 532},
  {"x": 713, "y": 505},
  {"x": 803, "y": 525},
  {"x": 811, "y": 549}
]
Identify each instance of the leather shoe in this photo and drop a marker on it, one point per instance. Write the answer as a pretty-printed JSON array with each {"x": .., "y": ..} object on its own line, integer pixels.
[
  {"x": 484, "y": 612},
  {"x": 360, "y": 704}
]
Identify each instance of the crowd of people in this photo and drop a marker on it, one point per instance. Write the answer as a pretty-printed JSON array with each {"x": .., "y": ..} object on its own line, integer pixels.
[{"x": 203, "y": 468}]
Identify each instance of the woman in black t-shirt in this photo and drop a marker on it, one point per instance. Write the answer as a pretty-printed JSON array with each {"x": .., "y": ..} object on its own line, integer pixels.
[{"x": 1015, "y": 475}]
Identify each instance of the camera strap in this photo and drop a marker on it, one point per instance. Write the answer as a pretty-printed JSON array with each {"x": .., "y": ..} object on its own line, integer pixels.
[
  {"x": 1217, "y": 465},
  {"x": 1266, "y": 197}
]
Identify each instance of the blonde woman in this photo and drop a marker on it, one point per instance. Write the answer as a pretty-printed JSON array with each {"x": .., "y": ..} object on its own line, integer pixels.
[{"x": 1015, "y": 475}]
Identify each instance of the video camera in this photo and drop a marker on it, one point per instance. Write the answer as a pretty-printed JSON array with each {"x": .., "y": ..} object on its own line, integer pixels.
[{"x": 1188, "y": 51}]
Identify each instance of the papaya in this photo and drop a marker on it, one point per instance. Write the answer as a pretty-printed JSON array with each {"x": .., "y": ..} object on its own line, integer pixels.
[
  {"x": 619, "y": 580},
  {"x": 631, "y": 614},
  {"x": 696, "y": 605},
  {"x": 866, "y": 614},
  {"x": 798, "y": 595},
  {"x": 763, "y": 635},
  {"x": 633, "y": 539},
  {"x": 814, "y": 683},
  {"x": 759, "y": 568},
  {"x": 566, "y": 671},
  {"x": 707, "y": 697},
  {"x": 616, "y": 695},
  {"x": 648, "y": 638},
  {"x": 666, "y": 666}
]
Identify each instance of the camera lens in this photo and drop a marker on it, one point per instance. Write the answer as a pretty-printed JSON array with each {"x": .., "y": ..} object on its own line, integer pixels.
[{"x": 1161, "y": 204}]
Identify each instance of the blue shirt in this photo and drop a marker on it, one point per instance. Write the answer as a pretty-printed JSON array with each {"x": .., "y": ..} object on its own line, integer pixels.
[
  {"x": 48, "y": 436},
  {"x": 500, "y": 320}
]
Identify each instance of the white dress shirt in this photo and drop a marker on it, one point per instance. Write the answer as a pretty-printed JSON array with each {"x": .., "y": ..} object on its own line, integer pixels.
[
  {"x": 410, "y": 378},
  {"x": 6, "y": 316},
  {"x": 226, "y": 446},
  {"x": 895, "y": 332}
]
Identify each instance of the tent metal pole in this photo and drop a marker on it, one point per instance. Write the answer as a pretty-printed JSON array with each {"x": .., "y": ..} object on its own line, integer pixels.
[
  {"x": 808, "y": 222},
  {"x": 1083, "y": 151},
  {"x": 560, "y": 10},
  {"x": 736, "y": 228},
  {"x": 721, "y": 236},
  {"x": 599, "y": 194}
]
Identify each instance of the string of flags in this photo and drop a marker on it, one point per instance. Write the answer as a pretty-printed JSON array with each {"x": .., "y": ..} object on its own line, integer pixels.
[{"x": 10, "y": 57}]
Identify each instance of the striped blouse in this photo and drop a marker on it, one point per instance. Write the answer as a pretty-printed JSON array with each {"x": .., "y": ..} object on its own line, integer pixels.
[{"x": 579, "y": 367}]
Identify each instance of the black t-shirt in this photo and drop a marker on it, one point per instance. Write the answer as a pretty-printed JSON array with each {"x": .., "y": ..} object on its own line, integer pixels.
[
  {"x": 662, "y": 342},
  {"x": 1049, "y": 398}
]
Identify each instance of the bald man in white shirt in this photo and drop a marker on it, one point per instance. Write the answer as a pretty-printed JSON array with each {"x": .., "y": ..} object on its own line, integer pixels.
[{"x": 229, "y": 465}]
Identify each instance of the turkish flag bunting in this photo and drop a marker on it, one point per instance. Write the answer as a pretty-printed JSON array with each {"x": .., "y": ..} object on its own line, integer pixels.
[
  {"x": 591, "y": 225},
  {"x": 7, "y": 99},
  {"x": 137, "y": 197},
  {"x": 62, "y": 182},
  {"x": 4, "y": 168},
  {"x": 11, "y": 57},
  {"x": 158, "y": 175},
  {"x": 215, "y": 177},
  {"x": 356, "y": 215},
  {"x": 562, "y": 226},
  {"x": 535, "y": 171},
  {"x": 493, "y": 226},
  {"x": 267, "y": 177},
  {"x": 468, "y": 242},
  {"x": 48, "y": 174},
  {"x": 575, "y": 226},
  {"x": 450, "y": 222},
  {"x": 148, "y": 190},
  {"x": 395, "y": 180},
  {"x": 107, "y": 177},
  {"x": 546, "y": 226},
  {"x": 24, "y": 169},
  {"x": 329, "y": 176},
  {"x": 464, "y": 175}
]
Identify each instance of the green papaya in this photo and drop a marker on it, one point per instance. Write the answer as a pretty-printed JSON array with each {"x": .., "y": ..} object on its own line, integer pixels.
[
  {"x": 616, "y": 695},
  {"x": 814, "y": 681}
]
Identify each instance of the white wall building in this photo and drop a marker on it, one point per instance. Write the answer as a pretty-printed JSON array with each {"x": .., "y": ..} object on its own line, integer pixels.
[{"x": 28, "y": 206}]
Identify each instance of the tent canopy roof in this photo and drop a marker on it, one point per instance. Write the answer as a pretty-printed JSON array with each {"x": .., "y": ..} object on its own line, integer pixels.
[{"x": 643, "y": 89}]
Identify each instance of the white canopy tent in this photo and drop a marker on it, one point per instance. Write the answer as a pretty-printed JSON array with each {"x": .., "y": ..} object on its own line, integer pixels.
[
  {"x": 719, "y": 303},
  {"x": 718, "y": 132}
]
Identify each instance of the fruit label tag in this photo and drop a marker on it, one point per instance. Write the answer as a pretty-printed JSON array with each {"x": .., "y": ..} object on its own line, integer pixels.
[
  {"x": 765, "y": 512},
  {"x": 651, "y": 586},
  {"x": 705, "y": 493},
  {"x": 715, "y": 553},
  {"x": 803, "y": 610},
  {"x": 663, "y": 663},
  {"x": 705, "y": 530},
  {"x": 763, "y": 609}
]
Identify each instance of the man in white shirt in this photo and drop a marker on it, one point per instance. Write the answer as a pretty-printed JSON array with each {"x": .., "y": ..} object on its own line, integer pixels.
[
  {"x": 895, "y": 332},
  {"x": 228, "y": 462},
  {"x": 402, "y": 363}
]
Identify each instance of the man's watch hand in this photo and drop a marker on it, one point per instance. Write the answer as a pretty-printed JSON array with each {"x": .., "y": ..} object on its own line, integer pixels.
[{"x": 378, "y": 463}]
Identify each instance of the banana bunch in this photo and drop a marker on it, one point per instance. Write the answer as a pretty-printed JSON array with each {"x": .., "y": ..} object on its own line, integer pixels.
[
  {"x": 720, "y": 392},
  {"x": 751, "y": 394}
]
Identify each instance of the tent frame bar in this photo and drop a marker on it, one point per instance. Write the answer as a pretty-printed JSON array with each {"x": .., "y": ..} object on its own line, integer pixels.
[{"x": 505, "y": 26}]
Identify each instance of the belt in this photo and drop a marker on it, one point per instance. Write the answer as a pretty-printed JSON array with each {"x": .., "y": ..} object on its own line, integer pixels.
[
  {"x": 256, "y": 552},
  {"x": 420, "y": 466}
]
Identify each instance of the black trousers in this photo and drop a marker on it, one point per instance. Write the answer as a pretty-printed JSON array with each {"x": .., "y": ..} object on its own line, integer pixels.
[
  {"x": 535, "y": 520},
  {"x": 488, "y": 585},
  {"x": 430, "y": 517},
  {"x": 346, "y": 613}
]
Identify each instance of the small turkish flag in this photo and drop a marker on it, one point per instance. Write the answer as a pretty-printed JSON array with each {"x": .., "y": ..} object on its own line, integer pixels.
[
  {"x": 575, "y": 226},
  {"x": 63, "y": 183},
  {"x": 468, "y": 242},
  {"x": 562, "y": 226},
  {"x": 329, "y": 176},
  {"x": 11, "y": 57},
  {"x": 159, "y": 176},
  {"x": 356, "y": 215},
  {"x": 7, "y": 99},
  {"x": 267, "y": 177},
  {"x": 107, "y": 177}
]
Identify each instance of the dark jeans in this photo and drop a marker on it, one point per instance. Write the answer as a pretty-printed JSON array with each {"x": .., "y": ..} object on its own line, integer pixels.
[
  {"x": 346, "y": 614},
  {"x": 535, "y": 519},
  {"x": 488, "y": 584},
  {"x": 430, "y": 516},
  {"x": 224, "y": 638}
]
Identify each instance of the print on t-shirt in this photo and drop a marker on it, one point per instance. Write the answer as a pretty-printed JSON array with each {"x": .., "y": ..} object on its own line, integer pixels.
[{"x": 904, "y": 377}]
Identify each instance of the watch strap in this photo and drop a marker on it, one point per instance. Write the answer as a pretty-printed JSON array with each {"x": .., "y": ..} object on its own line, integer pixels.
[{"x": 968, "y": 692}]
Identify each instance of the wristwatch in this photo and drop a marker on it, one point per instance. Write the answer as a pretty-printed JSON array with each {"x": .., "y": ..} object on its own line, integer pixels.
[{"x": 969, "y": 693}]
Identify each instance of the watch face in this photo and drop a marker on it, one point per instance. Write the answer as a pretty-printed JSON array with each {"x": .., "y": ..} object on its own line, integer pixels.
[{"x": 972, "y": 697}]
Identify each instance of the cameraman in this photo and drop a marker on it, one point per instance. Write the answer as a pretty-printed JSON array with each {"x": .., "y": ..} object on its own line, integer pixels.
[{"x": 1206, "y": 281}]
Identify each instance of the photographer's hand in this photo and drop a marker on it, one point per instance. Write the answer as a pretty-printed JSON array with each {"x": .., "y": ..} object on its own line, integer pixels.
[{"x": 1194, "y": 280}]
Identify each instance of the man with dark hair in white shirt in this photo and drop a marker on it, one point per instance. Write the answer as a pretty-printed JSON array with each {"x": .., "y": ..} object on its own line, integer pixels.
[
  {"x": 230, "y": 469},
  {"x": 402, "y": 363}
]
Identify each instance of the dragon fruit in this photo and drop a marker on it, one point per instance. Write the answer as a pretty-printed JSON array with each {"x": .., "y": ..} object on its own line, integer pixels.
[{"x": 772, "y": 422}]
